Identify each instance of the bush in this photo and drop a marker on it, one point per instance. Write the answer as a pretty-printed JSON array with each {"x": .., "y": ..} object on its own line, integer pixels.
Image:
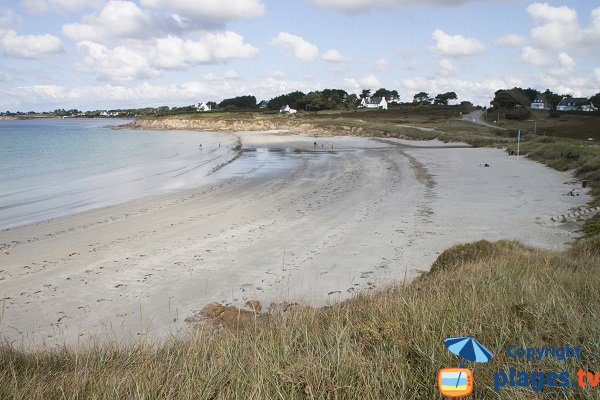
[
  {"x": 592, "y": 226},
  {"x": 461, "y": 254},
  {"x": 518, "y": 114},
  {"x": 553, "y": 114}
]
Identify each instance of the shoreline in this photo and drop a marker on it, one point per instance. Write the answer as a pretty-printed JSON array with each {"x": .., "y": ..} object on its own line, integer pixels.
[{"x": 287, "y": 223}]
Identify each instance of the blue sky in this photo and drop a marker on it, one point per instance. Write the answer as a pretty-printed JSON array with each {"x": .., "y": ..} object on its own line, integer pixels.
[{"x": 90, "y": 54}]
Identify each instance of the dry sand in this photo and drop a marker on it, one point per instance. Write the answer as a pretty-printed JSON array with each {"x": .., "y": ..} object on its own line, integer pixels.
[{"x": 289, "y": 223}]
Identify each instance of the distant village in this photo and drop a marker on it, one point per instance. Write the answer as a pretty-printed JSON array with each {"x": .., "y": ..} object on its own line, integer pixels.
[{"x": 520, "y": 100}]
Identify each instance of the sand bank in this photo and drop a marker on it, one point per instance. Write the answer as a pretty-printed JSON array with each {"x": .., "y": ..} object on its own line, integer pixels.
[{"x": 283, "y": 222}]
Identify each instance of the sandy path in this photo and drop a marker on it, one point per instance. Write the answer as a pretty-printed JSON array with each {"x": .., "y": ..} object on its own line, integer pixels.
[{"x": 290, "y": 223}]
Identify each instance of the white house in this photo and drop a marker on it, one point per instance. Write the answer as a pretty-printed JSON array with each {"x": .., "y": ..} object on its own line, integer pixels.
[
  {"x": 374, "y": 102},
  {"x": 203, "y": 107},
  {"x": 287, "y": 110},
  {"x": 263, "y": 104},
  {"x": 540, "y": 103},
  {"x": 394, "y": 100}
]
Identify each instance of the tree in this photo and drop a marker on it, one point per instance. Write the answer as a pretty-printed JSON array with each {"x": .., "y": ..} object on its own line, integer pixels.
[
  {"x": 312, "y": 102},
  {"x": 595, "y": 99},
  {"x": 239, "y": 103},
  {"x": 443, "y": 98},
  {"x": 383, "y": 93},
  {"x": 422, "y": 98},
  {"x": 333, "y": 98},
  {"x": 365, "y": 93},
  {"x": 292, "y": 99},
  {"x": 351, "y": 101},
  {"x": 509, "y": 99},
  {"x": 212, "y": 105},
  {"x": 531, "y": 94},
  {"x": 553, "y": 98}
]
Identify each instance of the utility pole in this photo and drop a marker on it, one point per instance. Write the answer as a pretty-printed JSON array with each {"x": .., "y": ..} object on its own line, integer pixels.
[{"x": 518, "y": 143}]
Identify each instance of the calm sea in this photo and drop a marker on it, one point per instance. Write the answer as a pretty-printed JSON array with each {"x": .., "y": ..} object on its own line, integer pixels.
[{"x": 51, "y": 168}]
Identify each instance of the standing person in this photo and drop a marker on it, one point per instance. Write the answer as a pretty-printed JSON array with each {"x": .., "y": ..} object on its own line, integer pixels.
[{"x": 315, "y": 145}]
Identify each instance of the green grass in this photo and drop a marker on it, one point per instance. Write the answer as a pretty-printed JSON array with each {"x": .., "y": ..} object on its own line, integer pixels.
[
  {"x": 571, "y": 126},
  {"x": 384, "y": 345}
]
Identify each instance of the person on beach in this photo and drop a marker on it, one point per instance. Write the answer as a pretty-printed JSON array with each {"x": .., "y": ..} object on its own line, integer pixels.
[{"x": 315, "y": 145}]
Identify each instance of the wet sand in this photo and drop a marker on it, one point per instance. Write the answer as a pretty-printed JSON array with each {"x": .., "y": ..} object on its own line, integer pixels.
[{"x": 282, "y": 222}]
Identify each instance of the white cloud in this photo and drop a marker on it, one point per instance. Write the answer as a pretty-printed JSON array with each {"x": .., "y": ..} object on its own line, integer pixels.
[
  {"x": 382, "y": 64},
  {"x": 231, "y": 74},
  {"x": 456, "y": 45},
  {"x": 121, "y": 19},
  {"x": 358, "y": 6},
  {"x": 8, "y": 18},
  {"x": 370, "y": 81},
  {"x": 560, "y": 28},
  {"x": 446, "y": 66},
  {"x": 297, "y": 46},
  {"x": 510, "y": 41},
  {"x": 142, "y": 59},
  {"x": 479, "y": 92},
  {"x": 29, "y": 46},
  {"x": 564, "y": 83},
  {"x": 211, "y": 10},
  {"x": 566, "y": 60},
  {"x": 42, "y": 6},
  {"x": 353, "y": 85},
  {"x": 554, "y": 27},
  {"x": 334, "y": 56},
  {"x": 535, "y": 56},
  {"x": 118, "y": 64}
]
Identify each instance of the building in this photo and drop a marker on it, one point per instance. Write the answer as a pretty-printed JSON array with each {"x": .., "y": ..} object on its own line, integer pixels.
[
  {"x": 374, "y": 102},
  {"x": 287, "y": 110},
  {"x": 569, "y": 104},
  {"x": 576, "y": 104},
  {"x": 203, "y": 107},
  {"x": 540, "y": 103},
  {"x": 263, "y": 104}
]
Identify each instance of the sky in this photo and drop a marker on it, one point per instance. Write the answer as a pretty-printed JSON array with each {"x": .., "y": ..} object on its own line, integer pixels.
[{"x": 106, "y": 54}]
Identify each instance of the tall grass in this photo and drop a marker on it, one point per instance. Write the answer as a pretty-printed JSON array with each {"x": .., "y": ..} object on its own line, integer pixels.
[{"x": 384, "y": 345}]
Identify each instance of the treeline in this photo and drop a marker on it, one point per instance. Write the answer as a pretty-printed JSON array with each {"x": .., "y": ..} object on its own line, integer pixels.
[
  {"x": 516, "y": 102},
  {"x": 327, "y": 99}
]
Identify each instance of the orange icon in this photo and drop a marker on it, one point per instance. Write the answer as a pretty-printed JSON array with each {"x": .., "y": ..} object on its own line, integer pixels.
[{"x": 455, "y": 382}]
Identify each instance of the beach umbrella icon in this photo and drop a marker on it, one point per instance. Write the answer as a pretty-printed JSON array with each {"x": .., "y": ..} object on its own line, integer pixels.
[{"x": 468, "y": 348}]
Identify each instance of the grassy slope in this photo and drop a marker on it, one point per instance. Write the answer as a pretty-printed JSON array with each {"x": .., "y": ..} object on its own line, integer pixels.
[{"x": 386, "y": 345}]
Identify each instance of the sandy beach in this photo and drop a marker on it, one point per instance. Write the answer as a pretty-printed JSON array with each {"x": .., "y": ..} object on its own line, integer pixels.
[{"x": 285, "y": 221}]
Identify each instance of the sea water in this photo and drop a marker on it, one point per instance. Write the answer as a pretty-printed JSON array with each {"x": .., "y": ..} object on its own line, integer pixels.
[{"x": 55, "y": 167}]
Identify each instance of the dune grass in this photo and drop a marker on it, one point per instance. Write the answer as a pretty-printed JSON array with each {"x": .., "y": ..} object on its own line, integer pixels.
[{"x": 387, "y": 344}]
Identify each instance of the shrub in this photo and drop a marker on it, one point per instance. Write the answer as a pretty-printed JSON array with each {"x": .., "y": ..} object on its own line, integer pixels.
[
  {"x": 462, "y": 254},
  {"x": 518, "y": 114}
]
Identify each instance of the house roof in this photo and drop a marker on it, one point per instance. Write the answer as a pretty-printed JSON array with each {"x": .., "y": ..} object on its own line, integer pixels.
[
  {"x": 540, "y": 98},
  {"x": 374, "y": 100},
  {"x": 572, "y": 101}
]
